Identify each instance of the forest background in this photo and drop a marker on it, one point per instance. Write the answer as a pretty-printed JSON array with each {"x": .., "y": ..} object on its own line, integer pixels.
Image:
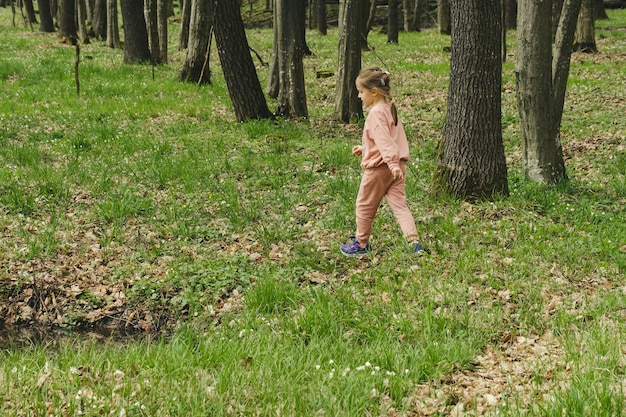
[{"x": 141, "y": 204}]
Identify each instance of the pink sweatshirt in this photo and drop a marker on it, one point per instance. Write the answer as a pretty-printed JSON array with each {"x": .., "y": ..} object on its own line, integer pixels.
[{"x": 382, "y": 141}]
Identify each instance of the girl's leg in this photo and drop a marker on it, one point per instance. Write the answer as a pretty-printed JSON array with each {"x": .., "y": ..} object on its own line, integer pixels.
[
  {"x": 396, "y": 197},
  {"x": 374, "y": 185}
]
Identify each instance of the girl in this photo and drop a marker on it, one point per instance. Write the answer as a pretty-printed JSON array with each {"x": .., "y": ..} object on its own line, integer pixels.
[{"x": 384, "y": 152}]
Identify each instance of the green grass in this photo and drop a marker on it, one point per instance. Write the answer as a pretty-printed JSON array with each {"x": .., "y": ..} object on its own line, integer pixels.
[{"x": 144, "y": 201}]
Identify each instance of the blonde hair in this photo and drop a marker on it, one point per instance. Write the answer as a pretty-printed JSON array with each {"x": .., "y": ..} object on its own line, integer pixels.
[{"x": 376, "y": 79}]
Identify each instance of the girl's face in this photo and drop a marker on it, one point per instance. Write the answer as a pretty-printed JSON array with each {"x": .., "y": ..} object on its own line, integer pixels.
[{"x": 368, "y": 97}]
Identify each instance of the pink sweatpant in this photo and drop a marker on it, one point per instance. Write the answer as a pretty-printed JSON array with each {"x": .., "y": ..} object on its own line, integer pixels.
[{"x": 377, "y": 183}]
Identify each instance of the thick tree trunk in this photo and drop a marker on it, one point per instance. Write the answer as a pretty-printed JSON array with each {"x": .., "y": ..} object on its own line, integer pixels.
[
  {"x": 234, "y": 52},
  {"x": 67, "y": 20},
  {"x": 392, "y": 21},
  {"x": 136, "y": 49},
  {"x": 471, "y": 163},
  {"x": 585, "y": 36},
  {"x": 46, "y": 24},
  {"x": 348, "y": 107}
]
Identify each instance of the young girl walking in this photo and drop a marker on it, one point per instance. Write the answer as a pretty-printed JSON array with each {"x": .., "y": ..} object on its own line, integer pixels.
[{"x": 384, "y": 152}]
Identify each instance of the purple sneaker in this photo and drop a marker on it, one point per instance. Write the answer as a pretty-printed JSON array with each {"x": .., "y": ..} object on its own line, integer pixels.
[{"x": 353, "y": 249}]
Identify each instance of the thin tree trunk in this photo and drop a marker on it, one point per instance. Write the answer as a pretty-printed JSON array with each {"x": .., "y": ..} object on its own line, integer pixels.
[
  {"x": 150, "y": 14},
  {"x": 392, "y": 21},
  {"x": 81, "y": 7},
  {"x": 113, "y": 28},
  {"x": 163, "y": 12},
  {"x": 185, "y": 17}
]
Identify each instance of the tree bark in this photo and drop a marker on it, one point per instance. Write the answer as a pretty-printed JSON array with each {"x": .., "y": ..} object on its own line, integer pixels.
[
  {"x": 541, "y": 80},
  {"x": 67, "y": 20},
  {"x": 241, "y": 78},
  {"x": 81, "y": 13},
  {"x": 46, "y": 24},
  {"x": 150, "y": 14},
  {"x": 347, "y": 104},
  {"x": 443, "y": 16},
  {"x": 136, "y": 48},
  {"x": 471, "y": 163},
  {"x": 585, "y": 36},
  {"x": 185, "y": 18},
  {"x": 322, "y": 24},
  {"x": 392, "y": 21},
  {"x": 163, "y": 12},
  {"x": 287, "y": 60},
  {"x": 99, "y": 19},
  {"x": 196, "y": 65},
  {"x": 113, "y": 28}
]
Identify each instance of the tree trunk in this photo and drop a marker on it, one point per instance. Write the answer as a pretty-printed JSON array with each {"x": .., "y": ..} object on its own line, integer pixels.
[
  {"x": 443, "y": 17},
  {"x": 163, "y": 12},
  {"x": 185, "y": 17},
  {"x": 541, "y": 81},
  {"x": 392, "y": 21},
  {"x": 113, "y": 28},
  {"x": 150, "y": 14},
  {"x": 196, "y": 65},
  {"x": 46, "y": 24},
  {"x": 471, "y": 163},
  {"x": 288, "y": 57},
  {"x": 322, "y": 24},
  {"x": 81, "y": 14},
  {"x": 136, "y": 49},
  {"x": 348, "y": 107},
  {"x": 30, "y": 12},
  {"x": 407, "y": 10},
  {"x": 67, "y": 20},
  {"x": 234, "y": 52},
  {"x": 510, "y": 14},
  {"x": 599, "y": 11},
  {"x": 99, "y": 19},
  {"x": 585, "y": 36}
]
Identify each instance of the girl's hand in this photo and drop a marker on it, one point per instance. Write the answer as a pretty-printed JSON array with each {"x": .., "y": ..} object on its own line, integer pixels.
[
  {"x": 396, "y": 173},
  {"x": 357, "y": 150}
]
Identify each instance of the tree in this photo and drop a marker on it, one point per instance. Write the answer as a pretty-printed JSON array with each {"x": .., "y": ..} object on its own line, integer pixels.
[
  {"x": 67, "y": 20},
  {"x": 287, "y": 70},
  {"x": 113, "y": 31},
  {"x": 163, "y": 12},
  {"x": 46, "y": 24},
  {"x": 347, "y": 104},
  {"x": 241, "y": 78},
  {"x": 392, "y": 21},
  {"x": 81, "y": 17},
  {"x": 151, "y": 16},
  {"x": 584, "y": 36},
  {"x": 99, "y": 19},
  {"x": 136, "y": 49},
  {"x": 320, "y": 13},
  {"x": 443, "y": 16},
  {"x": 471, "y": 163},
  {"x": 185, "y": 19},
  {"x": 196, "y": 65},
  {"x": 541, "y": 80}
]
